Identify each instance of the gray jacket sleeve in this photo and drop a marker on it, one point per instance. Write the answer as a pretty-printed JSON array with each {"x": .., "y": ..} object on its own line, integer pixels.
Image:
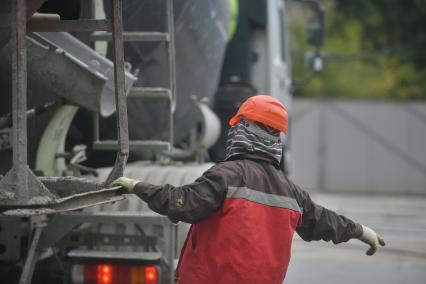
[
  {"x": 319, "y": 223},
  {"x": 189, "y": 203}
]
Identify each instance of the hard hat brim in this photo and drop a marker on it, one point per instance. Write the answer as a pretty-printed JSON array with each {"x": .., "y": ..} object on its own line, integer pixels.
[{"x": 234, "y": 119}]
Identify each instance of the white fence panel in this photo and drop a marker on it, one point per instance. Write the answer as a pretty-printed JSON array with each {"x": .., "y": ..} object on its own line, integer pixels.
[{"x": 359, "y": 145}]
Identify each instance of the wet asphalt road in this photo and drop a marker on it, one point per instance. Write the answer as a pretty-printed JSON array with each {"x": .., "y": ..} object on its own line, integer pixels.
[{"x": 400, "y": 220}]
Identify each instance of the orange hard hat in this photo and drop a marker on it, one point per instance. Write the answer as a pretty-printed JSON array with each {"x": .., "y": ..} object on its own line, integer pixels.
[{"x": 264, "y": 109}]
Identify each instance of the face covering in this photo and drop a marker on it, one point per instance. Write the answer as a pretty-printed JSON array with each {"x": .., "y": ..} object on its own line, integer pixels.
[{"x": 246, "y": 137}]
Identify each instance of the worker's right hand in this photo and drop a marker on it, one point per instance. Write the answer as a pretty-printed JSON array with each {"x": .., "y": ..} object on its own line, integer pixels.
[
  {"x": 371, "y": 238},
  {"x": 127, "y": 183}
]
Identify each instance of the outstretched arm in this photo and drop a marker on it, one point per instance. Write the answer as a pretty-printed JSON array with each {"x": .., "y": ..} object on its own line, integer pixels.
[
  {"x": 189, "y": 203},
  {"x": 319, "y": 223}
]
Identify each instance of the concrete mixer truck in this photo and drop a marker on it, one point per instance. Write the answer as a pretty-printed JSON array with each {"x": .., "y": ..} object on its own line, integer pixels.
[{"x": 95, "y": 89}]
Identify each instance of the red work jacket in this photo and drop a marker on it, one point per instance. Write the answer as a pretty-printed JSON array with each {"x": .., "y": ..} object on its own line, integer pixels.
[{"x": 244, "y": 214}]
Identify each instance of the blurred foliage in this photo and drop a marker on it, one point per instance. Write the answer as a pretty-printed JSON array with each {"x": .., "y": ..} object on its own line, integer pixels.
[{"x": 372, "y": 50}]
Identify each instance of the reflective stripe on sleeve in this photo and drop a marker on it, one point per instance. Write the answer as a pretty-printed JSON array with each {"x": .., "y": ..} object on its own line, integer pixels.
[{"x": 263, "y": 198}]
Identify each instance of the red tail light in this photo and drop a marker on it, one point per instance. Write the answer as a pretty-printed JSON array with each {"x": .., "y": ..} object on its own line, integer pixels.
[
  {"x": 114, "y": 274},
  {"x": 104, "y": 275},
  {"x": 151, "y": 275}
]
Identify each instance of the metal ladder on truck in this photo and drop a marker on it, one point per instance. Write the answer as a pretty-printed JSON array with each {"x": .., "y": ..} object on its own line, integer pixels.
[
  {"x": 168, "y": 94},
  {"x": 138, "y": 93},
  {"x": 144, "y": 93}
]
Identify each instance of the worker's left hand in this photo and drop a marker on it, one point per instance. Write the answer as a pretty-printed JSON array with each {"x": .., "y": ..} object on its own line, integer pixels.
[
  {"x": 371, "y": 238},
  {"x": 127, "y": 183}
]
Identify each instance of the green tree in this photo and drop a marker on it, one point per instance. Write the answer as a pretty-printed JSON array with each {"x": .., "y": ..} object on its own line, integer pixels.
[{"x": 373, "y": 49}]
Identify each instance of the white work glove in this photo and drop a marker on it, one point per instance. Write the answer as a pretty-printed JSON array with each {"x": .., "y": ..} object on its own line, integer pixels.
[
  {"x": 126, "y": 183},
  {"x": 371, "y": 238}
]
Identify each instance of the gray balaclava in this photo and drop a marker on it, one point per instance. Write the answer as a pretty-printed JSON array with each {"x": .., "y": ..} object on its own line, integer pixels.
[{"x": 253, "y": 138}]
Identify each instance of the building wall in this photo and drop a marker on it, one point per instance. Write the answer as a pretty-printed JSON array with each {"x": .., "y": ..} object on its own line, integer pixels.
[{"x": 359, "y": 146}]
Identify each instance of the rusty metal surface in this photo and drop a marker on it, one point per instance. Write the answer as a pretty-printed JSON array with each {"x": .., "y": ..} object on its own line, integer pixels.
[
  {"x": 170, "y": 24},
  {"x": 118, "y": 169},
  {"x": 12, "y": 195},
  {"x": 73, "y": 202},
  {"x": 82, "y": 25},
  {"x": 13, "y": 190},
  {"x": 120, "y": 97},
  {"x": 14, "y": 186},
  {"x": 31, "y": 259},
  {"x": 121, "y": 105},
  {"x": 135, "y": 145},
  {"x": 19, "y": 97},
  {"x": 150, "y": 93},
  {"x": 132, "y": 36},
  {"x": 172, "y": 61},
  {"x": 70, "y": 185}
]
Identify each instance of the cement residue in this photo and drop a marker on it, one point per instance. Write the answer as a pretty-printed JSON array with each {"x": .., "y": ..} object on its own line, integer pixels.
[
  {"x": 42, "y": 200},
  {"x": 7, "y": 195},
  {"x": 28, "y": 212}
]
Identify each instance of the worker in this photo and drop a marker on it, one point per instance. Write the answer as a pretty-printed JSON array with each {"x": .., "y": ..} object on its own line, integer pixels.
[{"x": 245, "y": 210}]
